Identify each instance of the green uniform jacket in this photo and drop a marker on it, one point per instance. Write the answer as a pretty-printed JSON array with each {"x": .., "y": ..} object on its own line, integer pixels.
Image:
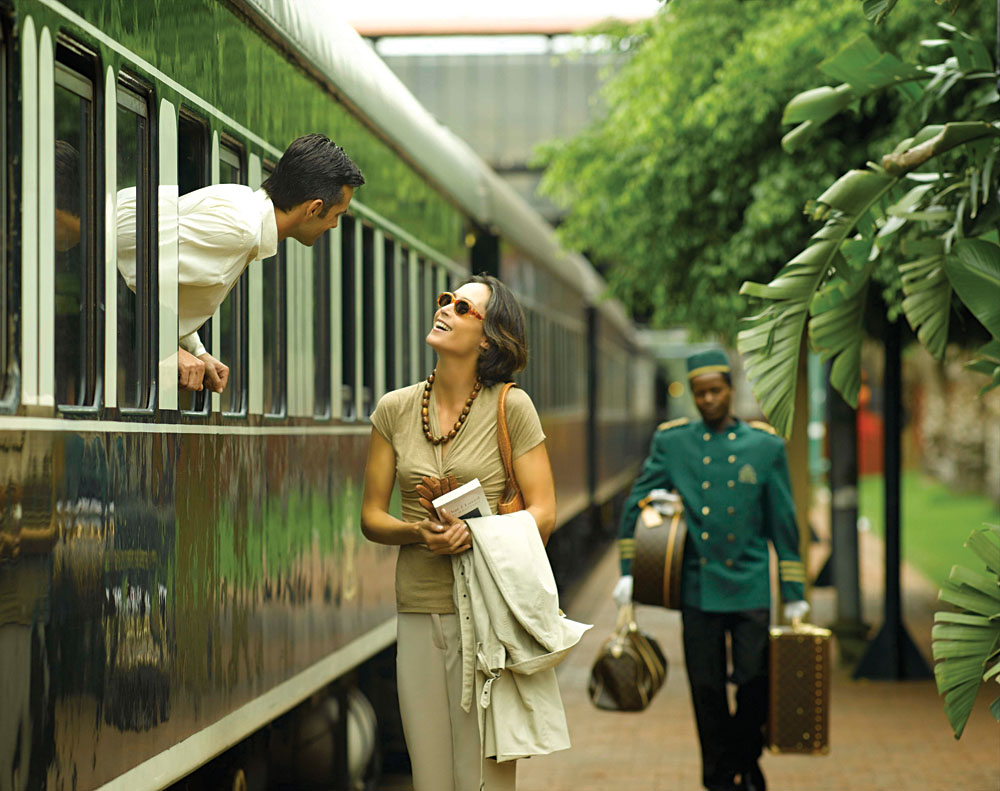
[{"x": 737, "y": 497}]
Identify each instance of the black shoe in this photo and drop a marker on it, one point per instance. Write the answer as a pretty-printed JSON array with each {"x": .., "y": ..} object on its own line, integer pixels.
[{"x": 752, "y": 779}]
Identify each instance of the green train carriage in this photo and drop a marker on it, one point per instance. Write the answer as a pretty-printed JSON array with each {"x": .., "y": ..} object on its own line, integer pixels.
[{"x": 178, "y": 571}]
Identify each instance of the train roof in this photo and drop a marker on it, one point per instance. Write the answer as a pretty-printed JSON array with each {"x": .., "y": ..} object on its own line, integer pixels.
[{"x": 327, "y": 47}]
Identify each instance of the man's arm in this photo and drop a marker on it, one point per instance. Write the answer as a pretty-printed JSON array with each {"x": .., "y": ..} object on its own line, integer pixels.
[
  {"x": 784, "y": 530},
  {"x": 653, "y": 476}
]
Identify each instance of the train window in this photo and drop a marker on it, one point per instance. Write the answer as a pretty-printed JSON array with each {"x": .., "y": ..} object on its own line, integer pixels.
[
  {"x": 233, "y": 327},
  {"x": 77, "y": 274},
  {"x": 427, "y": 308},
  {"x": 135, "y": 300},
  {"x": 194, "y": 164},
  {"x": 321, "y": 327},
  {"x": 404, "y": 284},
  {"x": 368, "y": 320},
  {"x": 348, "y": 332},
  {"x": 8, "y": 313},
  {"x": 275, "y": 332},
  {"x": 194, "y": 171},
  {"x": 275, "y": 321},
  {"x": 391, "y": 311}
]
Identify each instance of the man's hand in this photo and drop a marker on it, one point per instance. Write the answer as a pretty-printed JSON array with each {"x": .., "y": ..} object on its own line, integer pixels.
[
  {"x": 622, "y": 593},
  {"x": 216, "y": 373},
  {"x": 796, "y": 610},
  {"x": 190, "y": 370}
]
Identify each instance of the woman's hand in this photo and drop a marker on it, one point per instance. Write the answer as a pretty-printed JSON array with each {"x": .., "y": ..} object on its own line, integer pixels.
[{"x": 450, "y": 538}]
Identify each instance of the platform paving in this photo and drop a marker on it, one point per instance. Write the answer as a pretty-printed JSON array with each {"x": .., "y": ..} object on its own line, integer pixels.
[{"x": 885, "y": 736}]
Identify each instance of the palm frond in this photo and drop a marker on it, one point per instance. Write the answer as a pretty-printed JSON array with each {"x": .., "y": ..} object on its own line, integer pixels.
[{"x": 927, "y": 290}]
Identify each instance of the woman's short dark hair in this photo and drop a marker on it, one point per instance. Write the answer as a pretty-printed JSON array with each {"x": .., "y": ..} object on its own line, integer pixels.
[
  {"x": 312, "y": 167},
  {"x": 503, "y": 327}
]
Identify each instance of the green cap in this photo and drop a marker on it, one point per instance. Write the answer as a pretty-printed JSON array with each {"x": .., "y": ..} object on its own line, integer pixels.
[{"x": 714, "y": 361}]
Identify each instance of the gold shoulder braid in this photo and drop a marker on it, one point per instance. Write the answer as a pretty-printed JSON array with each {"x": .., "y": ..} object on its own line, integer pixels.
[
  {"x": 760, "y": 425},
  {"x": 681, "y": 421}
]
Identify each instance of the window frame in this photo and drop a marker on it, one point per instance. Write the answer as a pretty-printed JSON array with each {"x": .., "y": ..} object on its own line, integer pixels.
[
  {"x": 143, "y": 94},
  {"x": 73, "y": 62},
  {"x": 10, "y": 270},
  {"x": 187, "y": 121},
  {"x": 239, "y": 367}
]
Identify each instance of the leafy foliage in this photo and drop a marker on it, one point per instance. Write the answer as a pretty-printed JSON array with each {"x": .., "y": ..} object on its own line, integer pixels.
[
  {"x": 890, "y": 212},
  {"x": 683, "y": 189},
  {"x": 967, "y": 644}
]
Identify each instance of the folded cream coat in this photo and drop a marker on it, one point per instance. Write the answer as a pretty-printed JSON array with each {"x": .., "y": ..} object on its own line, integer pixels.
[{"x": 513, "y": 636}]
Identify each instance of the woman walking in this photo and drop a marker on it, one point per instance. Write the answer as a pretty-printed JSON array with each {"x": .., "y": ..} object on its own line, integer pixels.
[{"x": 446, "y": 428}]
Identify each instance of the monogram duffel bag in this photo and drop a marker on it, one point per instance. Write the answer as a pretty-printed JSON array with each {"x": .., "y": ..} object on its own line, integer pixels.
[
  {"x": 630, "y": 667},
  {"x": 660, "y": 532}
]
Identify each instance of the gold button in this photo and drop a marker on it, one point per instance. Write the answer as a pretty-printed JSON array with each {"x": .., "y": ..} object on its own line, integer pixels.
[
  {"x": 705, "y": 484},
  {"x": 704, "y": 536},
  {"x": 732, "y": 435},
  {"x": 704, "y": 561},
  {"x": 732, "y": 460},
  {"x": 731, "y": 537},
  {"x": 729, "y": 562},
  {"x": 707, "y": 436},
  {"x": 705, "y": 510},
  {"x": 707, "y": 460},
  {"x": 731, "y": 510},
  {"x": 731, "y": 484}
]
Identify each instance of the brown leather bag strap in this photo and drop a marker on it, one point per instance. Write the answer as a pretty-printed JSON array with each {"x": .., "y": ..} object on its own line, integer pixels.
[{"x": 503, "y": 435}]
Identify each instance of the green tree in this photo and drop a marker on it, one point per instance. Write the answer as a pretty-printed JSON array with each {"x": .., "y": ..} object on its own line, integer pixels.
[{"x": 683, "y": 189}]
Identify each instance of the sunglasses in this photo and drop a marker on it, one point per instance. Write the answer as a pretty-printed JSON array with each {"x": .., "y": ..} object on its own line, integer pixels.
[{"x": 462, "y": 305}]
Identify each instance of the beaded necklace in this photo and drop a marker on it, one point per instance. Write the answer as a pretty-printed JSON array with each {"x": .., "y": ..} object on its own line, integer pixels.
[{"x": 425, "y": 412}]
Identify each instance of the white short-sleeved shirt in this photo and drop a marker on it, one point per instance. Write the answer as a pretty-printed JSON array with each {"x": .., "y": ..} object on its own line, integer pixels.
[{"x": 221, "y": 229}]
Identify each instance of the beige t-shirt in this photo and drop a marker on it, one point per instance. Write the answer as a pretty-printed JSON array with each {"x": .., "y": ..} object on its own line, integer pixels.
[{"x": 423, "y": 579}]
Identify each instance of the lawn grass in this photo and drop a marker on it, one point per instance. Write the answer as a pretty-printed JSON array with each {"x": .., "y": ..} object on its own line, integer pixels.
[{"x": 935, "y": 522}]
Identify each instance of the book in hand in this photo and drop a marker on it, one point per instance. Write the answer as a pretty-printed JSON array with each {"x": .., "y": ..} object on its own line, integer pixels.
[{"x": 465, "y": 502}]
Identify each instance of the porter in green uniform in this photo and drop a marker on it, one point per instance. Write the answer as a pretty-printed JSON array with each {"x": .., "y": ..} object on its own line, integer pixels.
[{"x": 733, "y": 479}]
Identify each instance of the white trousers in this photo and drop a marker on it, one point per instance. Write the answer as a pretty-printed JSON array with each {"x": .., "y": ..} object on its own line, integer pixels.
[{"x": 442, "y": 739}]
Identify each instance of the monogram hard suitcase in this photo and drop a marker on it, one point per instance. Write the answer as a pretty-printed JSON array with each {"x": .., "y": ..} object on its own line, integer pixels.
[
  {"x": 799, "y": 698},
  {"x": 660, "y": 532}
]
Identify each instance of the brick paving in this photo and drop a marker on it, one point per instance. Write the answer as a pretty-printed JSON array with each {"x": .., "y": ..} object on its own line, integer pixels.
[{"x": 885, "y": 736}]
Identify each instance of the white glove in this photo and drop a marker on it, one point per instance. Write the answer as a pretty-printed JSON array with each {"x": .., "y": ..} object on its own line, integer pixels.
[
  {"x": 796, "y": 610},
  {"x": 623, "y": 590}
]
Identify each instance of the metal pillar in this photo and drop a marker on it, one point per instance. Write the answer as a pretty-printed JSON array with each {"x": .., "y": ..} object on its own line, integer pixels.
[
  {"x": 843, "y": 446},
  {"x": 892, "y": 654}
]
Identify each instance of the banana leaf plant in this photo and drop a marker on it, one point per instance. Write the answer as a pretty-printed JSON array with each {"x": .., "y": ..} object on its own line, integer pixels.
[
  {"x": 930, "y": 209},
  {"x": 966, "y": 644}
]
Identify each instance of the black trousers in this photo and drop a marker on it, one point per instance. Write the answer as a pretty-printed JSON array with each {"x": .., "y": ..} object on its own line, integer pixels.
[{"x": 731, "y": 742}]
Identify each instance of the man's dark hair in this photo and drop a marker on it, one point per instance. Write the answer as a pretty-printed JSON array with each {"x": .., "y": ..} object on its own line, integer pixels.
[
  {"x": 504, "y": 330},
  {"x": 67, "y": 178},
  {"x": 312, "y": 167}
]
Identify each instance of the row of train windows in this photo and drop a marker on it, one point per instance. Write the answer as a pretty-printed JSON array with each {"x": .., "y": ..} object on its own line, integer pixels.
[
  {"x": 372, "y": 349},
  {"x": 382, "y": 291}
]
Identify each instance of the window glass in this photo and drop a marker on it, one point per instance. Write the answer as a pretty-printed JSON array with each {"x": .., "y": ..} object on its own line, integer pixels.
[
  {"x": 194, "y": 172},
  {"x": 321, "y": 326},
  {"x": 233, "y": 311},
  {"x": 368, "y": 319},
  {"x": 275, "y": 332},
  {"x": 405, "y": 319},
  {"x": 134, "y": 212},
  {"x": 392, "y": 317},
  {"x": 348, "y": 330},
  {"x": 193, "y": 162},
  {"x": 8, "y": 311},
  {"x": 76, "y": 271}
]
